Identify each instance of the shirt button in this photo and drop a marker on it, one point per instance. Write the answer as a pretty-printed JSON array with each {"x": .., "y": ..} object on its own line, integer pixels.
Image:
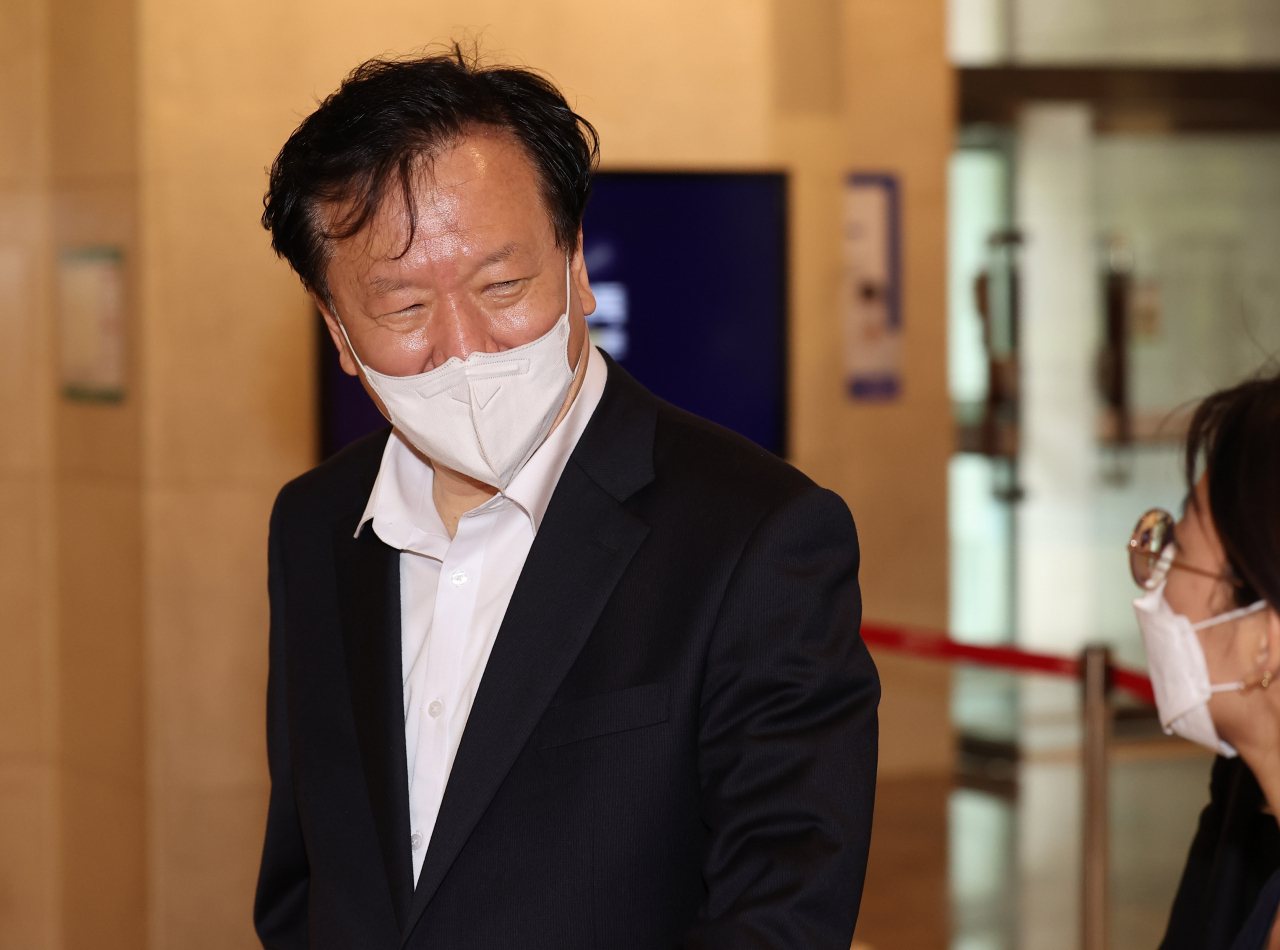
[
  {"x": 458, "y": 577},
  {"x": 415, "y": 841},
  {"x": 435, "y": 709}
]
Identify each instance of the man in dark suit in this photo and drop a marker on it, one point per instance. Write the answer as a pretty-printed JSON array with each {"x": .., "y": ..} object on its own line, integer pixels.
[{"x": 553, "y": 663}]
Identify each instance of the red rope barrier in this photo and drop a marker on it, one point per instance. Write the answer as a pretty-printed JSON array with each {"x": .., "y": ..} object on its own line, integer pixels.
[
  {"x": 1137, "y": 685},
  {"x": 929, "y": 646}
]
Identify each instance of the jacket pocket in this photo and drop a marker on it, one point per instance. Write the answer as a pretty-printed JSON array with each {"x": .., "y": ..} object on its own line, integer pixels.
[{"x": 603, "y": 715}]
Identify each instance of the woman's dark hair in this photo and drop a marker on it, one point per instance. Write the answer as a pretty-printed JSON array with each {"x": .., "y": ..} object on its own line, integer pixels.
[
  {"x": 389, "y": 115},
  {"x": 1238, "y": 432}
]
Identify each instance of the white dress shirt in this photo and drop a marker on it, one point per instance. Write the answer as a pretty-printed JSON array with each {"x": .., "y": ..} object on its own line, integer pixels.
[{"x": 454, "y": 593}]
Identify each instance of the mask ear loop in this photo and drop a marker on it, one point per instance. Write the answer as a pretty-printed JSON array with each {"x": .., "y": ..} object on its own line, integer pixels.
[
  {"x": 568, "y": 304},
  {"x": 343, "y": 328},
  {"x": 1228, "y": 617},
  {"x": 1238, "y": 686}
]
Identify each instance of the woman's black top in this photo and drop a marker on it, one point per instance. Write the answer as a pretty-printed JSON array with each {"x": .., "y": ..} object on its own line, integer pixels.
[
  {"x": 1235, "y": 853},
  {"x": 1257, "y": 929}
]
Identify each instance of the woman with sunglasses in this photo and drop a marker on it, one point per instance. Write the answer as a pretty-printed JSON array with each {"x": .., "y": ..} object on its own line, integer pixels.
[{"x": 1210, "y": 623}]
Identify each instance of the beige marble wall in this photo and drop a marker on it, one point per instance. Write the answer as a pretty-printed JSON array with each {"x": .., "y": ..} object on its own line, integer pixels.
[
  {"x": 28, "y": 620},
  {"x": 900, "y": 99},
  {"x": 891, "y": 111},
  {"x": 98, "y": 493},
  {"x": 228, "y": 421},
  {"x": 71, "y": 750},
  {"x": 132, "y": 762}
]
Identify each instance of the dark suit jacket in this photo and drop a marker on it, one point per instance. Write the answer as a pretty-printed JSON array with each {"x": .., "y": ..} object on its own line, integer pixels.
[
  {"x": 1235, "y": 850},
  {"x": 673, "y": 744}
]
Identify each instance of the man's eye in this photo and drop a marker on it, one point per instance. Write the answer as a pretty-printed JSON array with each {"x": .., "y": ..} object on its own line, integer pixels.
[{"x": 504, "y": 286}]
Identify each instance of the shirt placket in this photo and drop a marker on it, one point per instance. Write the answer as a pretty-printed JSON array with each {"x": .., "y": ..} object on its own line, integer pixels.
[{"x": 456, "y": 597}]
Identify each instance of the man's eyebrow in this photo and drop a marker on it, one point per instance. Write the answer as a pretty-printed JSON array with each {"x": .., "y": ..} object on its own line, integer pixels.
[
  {"x": 387, "y": 285},
  {"x": 506, "y": 252}
]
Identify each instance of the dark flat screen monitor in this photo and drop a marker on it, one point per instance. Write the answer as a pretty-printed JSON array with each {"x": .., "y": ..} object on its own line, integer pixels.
[{"x": 689, "y": 273}]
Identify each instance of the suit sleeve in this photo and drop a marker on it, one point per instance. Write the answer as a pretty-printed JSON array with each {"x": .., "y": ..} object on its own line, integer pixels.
[
  {"x": 788, "y": 739},
  {"x": 280, "y": 906}
]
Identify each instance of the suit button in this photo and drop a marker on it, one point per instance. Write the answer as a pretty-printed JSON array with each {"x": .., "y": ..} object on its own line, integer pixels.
[
  {"x": 415, "y": 840},
  {"x": 435, "y": 709}
]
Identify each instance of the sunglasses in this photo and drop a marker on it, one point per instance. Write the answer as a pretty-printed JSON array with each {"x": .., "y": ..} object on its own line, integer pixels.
[{"x": 1153, "y": 552}]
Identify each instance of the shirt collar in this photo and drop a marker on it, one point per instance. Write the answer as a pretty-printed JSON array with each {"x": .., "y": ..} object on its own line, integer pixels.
[
  {"x": 400, "y": 505},
  {"x": 534, "y": 484}
]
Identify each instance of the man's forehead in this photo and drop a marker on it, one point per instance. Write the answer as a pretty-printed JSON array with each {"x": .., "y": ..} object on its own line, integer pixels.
[
  {"x": 479, "y": 200},
  {"x": 455, "y": 183}
]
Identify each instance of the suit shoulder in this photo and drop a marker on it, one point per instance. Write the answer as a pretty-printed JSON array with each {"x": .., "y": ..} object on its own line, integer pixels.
[
  {"x": 699, "y": 452},
  {"x": 342, "y": 480}
]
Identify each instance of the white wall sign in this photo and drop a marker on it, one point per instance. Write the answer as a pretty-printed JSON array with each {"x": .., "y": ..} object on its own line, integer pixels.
[
  {"x": 871, "y": 289},
  {"x": 91, "y": 323}
]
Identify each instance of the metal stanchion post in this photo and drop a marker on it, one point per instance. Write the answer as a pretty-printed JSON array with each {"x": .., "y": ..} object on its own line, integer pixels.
[{"x": 1095, "y": 666}]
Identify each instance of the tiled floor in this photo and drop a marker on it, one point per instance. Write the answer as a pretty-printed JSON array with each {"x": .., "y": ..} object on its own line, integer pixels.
[
  {"x": 990, "y": 860},
  {"x": 904, "y": 904}
]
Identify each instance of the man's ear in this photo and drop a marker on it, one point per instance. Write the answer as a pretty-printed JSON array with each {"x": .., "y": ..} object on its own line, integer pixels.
[
  {"x": 345, "y": 357},
  {"x": 581, "y": 282}
]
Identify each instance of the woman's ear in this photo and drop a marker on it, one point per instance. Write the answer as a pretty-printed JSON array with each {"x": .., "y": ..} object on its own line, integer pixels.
[{"x": 1267, "y": 664}]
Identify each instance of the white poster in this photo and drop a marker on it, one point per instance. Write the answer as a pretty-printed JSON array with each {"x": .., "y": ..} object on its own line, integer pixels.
[
  {"x": 871, "y": 294},
  {"x": 91, "y": 323}
]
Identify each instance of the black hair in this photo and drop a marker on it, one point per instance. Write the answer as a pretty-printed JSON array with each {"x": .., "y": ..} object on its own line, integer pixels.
[
  {"x": 1238, "y": 432},
  {"x": 387, "y": 117}
]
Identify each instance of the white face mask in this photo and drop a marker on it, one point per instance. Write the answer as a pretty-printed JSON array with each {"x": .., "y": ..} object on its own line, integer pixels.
[
  {"x": 1179, "y": 673},
  {"x": 484, "y": 416}
]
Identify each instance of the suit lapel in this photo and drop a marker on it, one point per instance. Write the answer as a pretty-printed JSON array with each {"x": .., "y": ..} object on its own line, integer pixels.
[
  {"x": 571, "y": 570},
  {"x": 581, "y": 551},
  {"x": 368, "y": 580}
]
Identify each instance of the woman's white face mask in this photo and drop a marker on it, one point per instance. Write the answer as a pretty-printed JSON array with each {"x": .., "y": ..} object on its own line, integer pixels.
[{"x": 1179, "y": 672}]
